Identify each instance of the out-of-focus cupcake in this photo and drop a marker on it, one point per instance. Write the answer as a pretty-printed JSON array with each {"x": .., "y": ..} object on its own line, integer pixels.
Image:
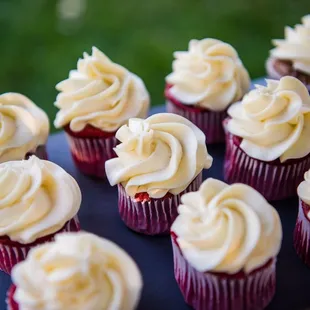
[
  {"x": 302, "y": 228},
  {"x": 158, "y": 159},
  {"x": 38, "y": 199},
  {"x": 98, "y": 98},
  {"x": 267, "y": 138},
  {"x": 291, "y": 55},
  {"x": 225, "y": 244},
  {"x": 76, "y": 272},
  {"x": 24, "y": 128},
  {"x": 205, "y": 80}
]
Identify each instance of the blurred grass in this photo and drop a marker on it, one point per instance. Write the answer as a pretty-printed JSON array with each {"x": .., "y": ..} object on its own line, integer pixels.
[{"x": 39, "y": 47}]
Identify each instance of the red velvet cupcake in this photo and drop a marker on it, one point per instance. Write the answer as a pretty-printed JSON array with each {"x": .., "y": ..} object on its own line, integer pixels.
[
  {"x": 225, "y": 245},
  {"x": 98, "y": 98},
  {"x": 267, "y": 138},
  {"x": 77, "y": 271},
  {"x": 158, "y": 159},
  {"x": 302, "y": 228},
  {"x": 205, "y": 80},
  {"x": 38, "y": 200},
  {"x": 24, "y": 128},
  {"x": 291, "y": 55}
]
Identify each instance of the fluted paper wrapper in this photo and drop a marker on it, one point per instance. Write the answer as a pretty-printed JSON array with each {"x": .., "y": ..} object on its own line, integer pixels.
[
  {"x": 153, "y": 216},
  {"x": 275, "y": 181},
  {"x": 12, "y": 252},
  {"x": 90, "y": 154},
  {"x": 302, "y": 233},
  {"x": 219, "y": 291},
  {"x": 210, "y": 122}
]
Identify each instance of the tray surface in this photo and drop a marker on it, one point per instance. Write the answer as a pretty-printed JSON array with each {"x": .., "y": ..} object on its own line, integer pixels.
[{"x": 99, "y": 214}]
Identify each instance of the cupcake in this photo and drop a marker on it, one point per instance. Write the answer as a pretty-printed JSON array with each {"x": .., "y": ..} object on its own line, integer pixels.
[
  {"x": 267, "y": 138},
  {"x": 38, "y": 199},
  {"x": 205, "y": 80},
  {"x": 24, "y": 128},
  {"x": 97, "y": 99},
  {"x": 225, "y": 245},
  {"x": 76, "y": 272},
  {"x": 158, "y": 160},
  {"x": 291, "y": 56},
  {"x": 302, "y": 228}
]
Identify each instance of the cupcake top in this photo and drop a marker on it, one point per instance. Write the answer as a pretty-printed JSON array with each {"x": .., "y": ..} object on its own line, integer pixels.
[
  {"x": 161, "y": 154},
  {"x": 37, "y": 198},
  {"x": 78, "y": 271},
  {"x": 303, "y": 189},
  {"x": 24, "y": 126},
  {"x": 209, "y": 75},
  {"x": 273, "y": 120},
  {"x": 227, "y": 228},
  {"x": 296, "y": 46},
  {"x": 100, "y": 93}
]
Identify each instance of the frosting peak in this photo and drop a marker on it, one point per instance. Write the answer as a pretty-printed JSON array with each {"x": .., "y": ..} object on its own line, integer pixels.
[
  {"x": 161, "y": 154},
  {"x": 100, "y": 93},
  {"x": 37, "y": 198},
  {"x": 78, "y": 271},
  {"x": 296, "y": 46},
  {"x": 273, "y": 120},
  {"x": 303, "y": 189},
  {"x": 23, "y": 126},
  {"x": 210, "y": 75},
  {"x": 227, "y": 228}
]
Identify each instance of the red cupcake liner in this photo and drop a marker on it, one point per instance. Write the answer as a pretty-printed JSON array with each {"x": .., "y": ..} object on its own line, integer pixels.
[
  {"x": 11, "y": 303},
  {"x": 90, "y": 154},
  {"x": 220, "y": 291},
  {"x": 151, "y": 216},
  {"x": 210, "y": 122},
  {"x": 302, "y": 233},
  {"x": 12, "y": 252},
  {"x": 274, "y": 180}
]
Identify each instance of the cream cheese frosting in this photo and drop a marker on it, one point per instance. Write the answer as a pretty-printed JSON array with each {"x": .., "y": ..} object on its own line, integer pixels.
[
  {"x": 23, "y": 126},
  {"x": 273, "y": 120},
  {"x": 227, "y": 228},
  {"x": 78, "y": 271},
  {"x": 161, "y": 154},
  {"x": 296, "y": 46},
  {"x": 37, "y": 198},
  {"x": 210, "y": 75},
  {"x": 303, "y": 190},
  {"x": 100, "y": 93}
]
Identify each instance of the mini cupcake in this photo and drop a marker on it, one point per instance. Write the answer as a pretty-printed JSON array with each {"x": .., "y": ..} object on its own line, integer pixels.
[
  {"x": 267, "y": 138},
  {"x": 302, "y": 228},
  {"x": 38, "y": 199},
  {"x": 291, "y": 56},
  {"x": 24, "y": 128},
  {"x": 205, "y": 80},
  {"x": 158, "y": 159},
  {"x": 225, "y": 245},
  {"x": 97, "y": 98},
  {"x": 76, "y": 272}
]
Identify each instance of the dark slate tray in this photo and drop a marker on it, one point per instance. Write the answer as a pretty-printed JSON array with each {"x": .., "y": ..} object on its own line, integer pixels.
[{"x": 99, "y": 214}]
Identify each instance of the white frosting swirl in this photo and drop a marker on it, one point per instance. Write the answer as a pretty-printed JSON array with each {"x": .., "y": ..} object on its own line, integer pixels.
[
  {"x": 78, "y": 271},
  {"x": 210, "y": 75},
  {"x": 296, "y": 46},
  {"x": 37, "y": 198},
  {"x": 100, "y": 93},
  {"x": 227, "y": 228},
  {"x": 161, "y": 154},
  {"x": 274, "y": 121},
  {"x": 23, "y": 126},
  {"x": 303, "y": 190}
]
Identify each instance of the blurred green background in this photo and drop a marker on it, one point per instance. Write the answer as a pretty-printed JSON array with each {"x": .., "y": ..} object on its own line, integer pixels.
[{"x": 41, "y": 40}]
